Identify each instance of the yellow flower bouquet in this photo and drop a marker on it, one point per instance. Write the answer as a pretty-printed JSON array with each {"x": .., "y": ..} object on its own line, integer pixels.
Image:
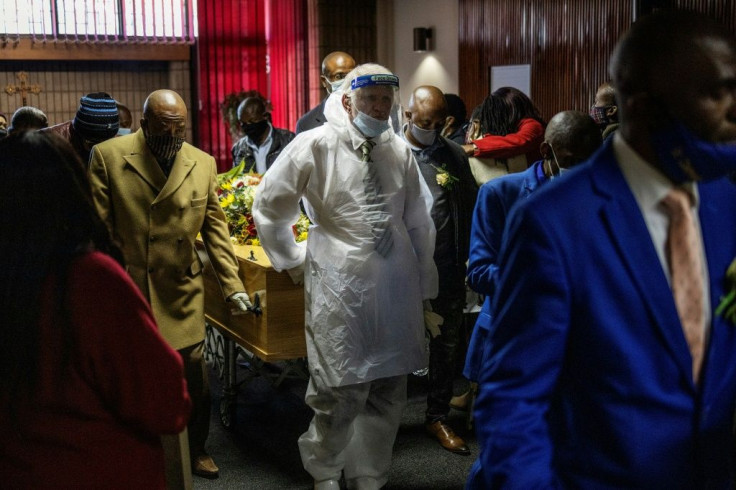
[{"x": 237, "y": 190}]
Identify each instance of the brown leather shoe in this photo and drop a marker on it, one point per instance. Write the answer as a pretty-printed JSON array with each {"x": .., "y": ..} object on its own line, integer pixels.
[
  {"x": 204, "y": 466},
  {"x": 461, "y": 402},
  {"x": 447, "y": 438}
]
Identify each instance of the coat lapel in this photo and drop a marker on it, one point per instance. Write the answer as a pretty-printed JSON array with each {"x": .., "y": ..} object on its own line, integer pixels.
[
  {"x": 629, "y": 233},
  {"x": 719, "y": 350},
  {"x": 139, "y": 159},
  {"x": 179, "y": 171}
]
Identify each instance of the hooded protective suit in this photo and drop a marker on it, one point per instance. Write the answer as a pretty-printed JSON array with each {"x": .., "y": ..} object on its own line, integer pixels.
[{"x": 364, "y": 318}]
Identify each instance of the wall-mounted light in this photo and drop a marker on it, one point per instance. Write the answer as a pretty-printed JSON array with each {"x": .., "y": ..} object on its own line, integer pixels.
[{"x": 422, "y": 39}]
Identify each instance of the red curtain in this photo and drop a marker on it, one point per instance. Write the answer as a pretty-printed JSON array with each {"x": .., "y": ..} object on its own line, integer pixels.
[
  {"x": 288, "y": 51},
  {"x": 232, "y": 58}
]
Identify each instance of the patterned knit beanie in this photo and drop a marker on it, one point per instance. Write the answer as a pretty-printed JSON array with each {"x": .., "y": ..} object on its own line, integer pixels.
[{"x": 97, "y": 117}]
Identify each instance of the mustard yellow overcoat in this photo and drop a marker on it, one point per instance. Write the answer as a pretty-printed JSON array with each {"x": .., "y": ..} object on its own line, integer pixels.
[{"x": 156, "y": 220}]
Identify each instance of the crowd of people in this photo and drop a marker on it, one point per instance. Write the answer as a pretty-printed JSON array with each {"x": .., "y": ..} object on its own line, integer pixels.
[{"x": 599, "y": 241}]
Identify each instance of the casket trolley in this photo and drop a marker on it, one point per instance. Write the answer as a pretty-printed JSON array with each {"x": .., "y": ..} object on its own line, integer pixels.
[{"x": 276, "y": 334}]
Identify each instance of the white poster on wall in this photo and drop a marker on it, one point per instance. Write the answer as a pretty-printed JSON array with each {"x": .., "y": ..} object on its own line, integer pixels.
[{"x": 517, "y": 76}]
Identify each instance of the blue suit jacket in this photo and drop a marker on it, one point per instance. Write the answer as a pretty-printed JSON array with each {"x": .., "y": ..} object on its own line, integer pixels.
[
  {"x": 587, "y": 377},
  {"x": 495, "y": 200}
]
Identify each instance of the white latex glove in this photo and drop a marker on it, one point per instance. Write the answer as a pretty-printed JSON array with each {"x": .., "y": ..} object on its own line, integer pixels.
[
  {"x": 432, "y": 322},
  {"x": 297, "y": 274},
  {"x": 241, "y": 300}
]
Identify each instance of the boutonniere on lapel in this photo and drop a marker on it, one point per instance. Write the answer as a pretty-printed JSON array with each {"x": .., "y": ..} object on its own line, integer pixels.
[
  {"x": 444, "y": 178},
  {"x": 727, "y": 306}
]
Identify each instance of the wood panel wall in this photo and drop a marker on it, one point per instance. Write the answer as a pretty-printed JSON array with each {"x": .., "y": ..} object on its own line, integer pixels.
[
  {"x": 347, "y": 26},
  {"x": 339, "y": 25},
  {"x": 567, "y": 43},
  {"x": 64, "y": 82}
]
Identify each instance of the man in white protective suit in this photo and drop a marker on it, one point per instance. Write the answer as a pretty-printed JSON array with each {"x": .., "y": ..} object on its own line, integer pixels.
[{"x": 367, "y": 268}]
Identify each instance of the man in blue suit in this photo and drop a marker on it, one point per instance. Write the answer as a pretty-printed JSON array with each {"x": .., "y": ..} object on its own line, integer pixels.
[
  {"x": 588, "y": 380},
  {"x": 569, "y": 139}
]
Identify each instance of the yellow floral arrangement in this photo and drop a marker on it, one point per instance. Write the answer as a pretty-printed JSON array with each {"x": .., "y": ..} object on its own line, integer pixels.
[{"x": 237, "y": 190}]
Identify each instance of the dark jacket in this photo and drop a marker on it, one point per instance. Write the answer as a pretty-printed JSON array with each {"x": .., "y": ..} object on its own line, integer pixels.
[
  {"x": 312, "y": 119},
  {"x": 241, "y": 151},
  {"x": 452, "y": 209}
]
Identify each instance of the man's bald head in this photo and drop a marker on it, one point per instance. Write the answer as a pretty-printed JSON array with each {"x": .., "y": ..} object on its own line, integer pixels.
[
  {"x": 164, "y": 123},
  {"x": 573, "y": 137},
  {"x": 428, "y": 99},
  {"x": 426, "y": 111},
  {"x": 164, "y": 101},
  {"x": 335, "y": 67},
  {"x": 337, "y": 59}
]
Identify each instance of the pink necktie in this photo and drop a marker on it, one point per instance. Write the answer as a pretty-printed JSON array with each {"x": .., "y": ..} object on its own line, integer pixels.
[{"x": 686, "y": 269}]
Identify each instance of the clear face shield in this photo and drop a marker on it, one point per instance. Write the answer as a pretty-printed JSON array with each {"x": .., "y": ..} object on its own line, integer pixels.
[{"x": 375, "y": 103}]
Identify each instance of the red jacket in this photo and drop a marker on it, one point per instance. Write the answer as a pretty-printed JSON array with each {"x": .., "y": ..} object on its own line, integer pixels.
[
  {"x": 97, "y": 423},
  {"x": 526, "y": 140}
]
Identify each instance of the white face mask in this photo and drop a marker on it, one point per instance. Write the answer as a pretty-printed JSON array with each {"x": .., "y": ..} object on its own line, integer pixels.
[
  {"x": 370, "y": 126},
  {"x": 334, "y": 86},
  {"x": 559, "y": 168},
  {"x": 123, "y": 131},
  {"x": 424, "y": 136}
]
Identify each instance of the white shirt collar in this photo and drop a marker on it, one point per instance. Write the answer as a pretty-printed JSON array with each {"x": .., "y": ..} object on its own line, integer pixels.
[{"x": 648, "y": 184}]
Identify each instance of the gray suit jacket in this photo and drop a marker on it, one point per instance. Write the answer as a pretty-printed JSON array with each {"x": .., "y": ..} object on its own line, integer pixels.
[{"x": 312, "y": 119}]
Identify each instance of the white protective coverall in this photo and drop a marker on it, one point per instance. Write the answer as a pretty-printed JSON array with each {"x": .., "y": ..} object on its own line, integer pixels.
[{"x": 364, "y": 316}]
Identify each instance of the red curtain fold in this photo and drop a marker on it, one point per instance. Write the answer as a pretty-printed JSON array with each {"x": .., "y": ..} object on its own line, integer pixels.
[
  {"x": 232, "y": 57},
  {"x": 288, "y": 51}
]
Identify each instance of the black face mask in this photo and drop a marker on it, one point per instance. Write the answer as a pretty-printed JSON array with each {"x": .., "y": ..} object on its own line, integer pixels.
[
  {"x": 3, "y": 133},
  {"x": 164, "y": 146},
  {"x": 254, "y": 130}
]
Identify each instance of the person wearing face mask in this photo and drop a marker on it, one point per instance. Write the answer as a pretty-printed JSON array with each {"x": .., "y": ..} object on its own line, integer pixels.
[
  {"x": 334, "y": 68},
  {"x": 366, "y": 268},
  {"x": 156, "y": 192},
  {"x": 446, "y": 171},
  {"x": 262, "y": 143},
  {"x": 605, "y": 111},
  {"x": 570, "y": 138},
  {"x": 608, "y": 363},
  {"x": 96, "y": 120},
  {"x": 126, "y": 119}
]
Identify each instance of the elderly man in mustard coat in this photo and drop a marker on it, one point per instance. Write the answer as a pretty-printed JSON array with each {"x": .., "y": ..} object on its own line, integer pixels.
[{"x": 156, "y": 192}]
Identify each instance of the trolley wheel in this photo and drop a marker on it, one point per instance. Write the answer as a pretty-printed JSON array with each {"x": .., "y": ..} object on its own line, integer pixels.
[{"x": 227, "y": 411}]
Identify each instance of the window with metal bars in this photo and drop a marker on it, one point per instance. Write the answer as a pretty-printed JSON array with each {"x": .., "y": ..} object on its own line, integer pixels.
[{"x": 99, "y": 21}]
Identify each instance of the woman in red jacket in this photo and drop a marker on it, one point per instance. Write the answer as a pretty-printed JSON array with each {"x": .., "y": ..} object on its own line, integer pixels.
[
  {"x": 505, "y": 125},
  {"x": 87, "y": 384}
]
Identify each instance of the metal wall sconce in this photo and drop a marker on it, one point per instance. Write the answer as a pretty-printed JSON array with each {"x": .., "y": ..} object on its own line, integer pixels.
[{"x": 422, "y": 39}]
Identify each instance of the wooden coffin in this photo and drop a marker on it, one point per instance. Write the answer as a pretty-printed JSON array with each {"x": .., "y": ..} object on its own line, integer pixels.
[{"x": 278, "y": 333}]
